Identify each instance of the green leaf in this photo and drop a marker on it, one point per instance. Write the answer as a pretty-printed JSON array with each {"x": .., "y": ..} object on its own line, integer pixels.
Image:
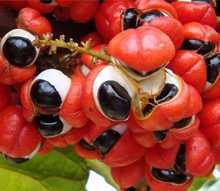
[
  {"x": 197, "y": 183},
  {"x": 56, "y": 171},
  {"x": 103, "y": 170}
]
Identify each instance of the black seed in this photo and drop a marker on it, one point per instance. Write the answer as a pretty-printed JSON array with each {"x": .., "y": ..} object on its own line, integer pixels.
[
  {"x": 217, "y": 8},
  {"x": 160, "y": 135},
  {"x": 148, "y": 109},
  {"x": 46, "y": 1},
  {"x": 180, "y": 165},
  {"x": 213, "y": 68},
  {"x": 170, "y": 176},
  {"x": 106, "y": 141},
  {"x": 131, "y": 189},
  {"x": 16, "y": 160},
  {"x": 206, "y": 48},
  {"x": 182, "y": 123},
  {"x": 203, "y": 1},
  {"x": 49, "y": 125},
  {"x": 168, "y": 92},
  {"x": 114, "y": 100},
  {"x": 192, "y": 44},
  {"x": 201, "y": 47},
  {"x": 44, "y": 95},
  {"x": 86, "y": 145},
  {"x": 19, "y": 51},
  {"x": 130, "y": 18},
  {"x": 149, "y": 16}
]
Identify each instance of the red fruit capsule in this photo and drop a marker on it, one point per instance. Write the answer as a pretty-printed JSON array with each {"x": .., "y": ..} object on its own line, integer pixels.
[
  {"x": 113, "y": 145},
  {"x": 162, "y": 112},
  {"x": 138, "y": 49},
  {"x": 210, "y": 121},
  {"x": 108, "y": 17},
  {"x": 91, "y": 61},
  {"x": 191, "y": 67},
  {"x": 31, "y": 20},
  {"x": 83, "y": 11},
  {"x": 19, "y": 139},
  {"x": 170, "y": 26},
  {"x": 156, "y": 5},
  {"x": 125, "y": 179},
  {"x": 200, "y": 12},
  {"x": 93, "y": 38}
]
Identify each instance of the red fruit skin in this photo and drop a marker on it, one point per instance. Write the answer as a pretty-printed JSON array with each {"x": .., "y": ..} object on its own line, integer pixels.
[
  {"x": 147, "y": 5},
  {"x": 210, "y": 121},
  {"x": 108, "y": 17},
  {"x": 94, "y": 39},
  {"x": 123, "y": 176},
  {"x": 157, "y": 185},
  {"x": 16, "y": 5},
  {"x": 71, "y": 109},
  {"x": 28, "y": 109},
  {"x": 200, "y": 160},
  {"x": 31, "y": 20},
  {"x": 83, "y": 11},
  {"x": 170, "y": 26},
  {"x": 191, "y": 67},
  {"x": 161, "y": 158},
  {"x": 186, "y": 104},
  {"x": 89, "y": 61},
  {"x": 213, "y": 91},
  {"x": 10, "y": 75},
  {"x": 5, "y": 95},
  {"x": 196, "y": 12},
  {"x": 18, "y": 138},
  {"x": 121, "y": 154},
  {"x": 64, "y": 3},
  {"x": 42, "y": 7},
  {"x": 199, "y": 31},
  {"x": 89, "y": 105},
  {"x": 138, "y": 48}
]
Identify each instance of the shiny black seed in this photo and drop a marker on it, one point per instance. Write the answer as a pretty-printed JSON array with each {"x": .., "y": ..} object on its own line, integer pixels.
[
  {"x": 49, "y": 125},
  {"x": 217, "y": 8},
  {"x": 201, "y": 47},
  {"x": 180, "y": 164},
  {"x": 203, "y": 1},
  {"x": 182, "y": 123},
  {"x": 192, "y": 44},
  {"x": 16, "y": 160},
  {"x": 130, "y": 18},
  {"x": 46, "y": 1},
  {"x": 44, "y": 95},
  {"x": 19, "y": 51},
  {"x": 86, "y": 145},
  {"x": 149, "y": 16},
  {"x": 168, "y": 92},
  {"x": 169, "y": 176},
  {"x": 106, "y": 141},
  {"x": 206, "y": 48},
  {"x": 149, "y": 107},
  {"x": 131, "y": 189},
  {"x": 213, "y": 68},
  {"x": 114, "y": 100},
  {"x": 160, "y": 135}
]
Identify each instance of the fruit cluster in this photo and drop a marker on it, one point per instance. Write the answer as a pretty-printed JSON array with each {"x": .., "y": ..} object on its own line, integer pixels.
[{"x": 142, "y": 94}]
